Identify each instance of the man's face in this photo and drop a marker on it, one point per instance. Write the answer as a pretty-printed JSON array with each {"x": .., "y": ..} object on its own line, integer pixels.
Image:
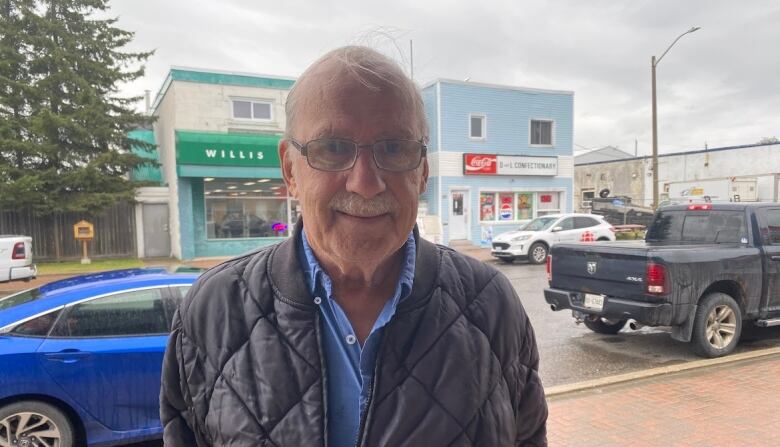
[{"x": 364, "y": 213}]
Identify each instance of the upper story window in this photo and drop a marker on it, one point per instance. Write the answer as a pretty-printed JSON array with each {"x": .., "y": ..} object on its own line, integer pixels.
[
  {"x": 541, "y": 133},
  {"x": 477, "y": 127},
  {"x": 252, "y": 110}
]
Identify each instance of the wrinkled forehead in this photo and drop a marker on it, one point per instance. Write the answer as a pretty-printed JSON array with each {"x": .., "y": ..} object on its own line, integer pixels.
[{"x": 334, "y": 97}]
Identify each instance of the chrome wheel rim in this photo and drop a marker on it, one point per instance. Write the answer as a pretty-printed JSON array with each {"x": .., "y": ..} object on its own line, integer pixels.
[
  {"x": 29, "y": 429},
  {"x": 539, "y": 254},
  {"x": 721, "y": 326}
]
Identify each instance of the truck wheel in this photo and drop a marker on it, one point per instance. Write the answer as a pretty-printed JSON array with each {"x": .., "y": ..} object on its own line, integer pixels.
[
  {"x": 507, "y": 260},
  {"x": 32, "y": 423},
  {"x": 717, "y": 326},
  {"x": 537, "y": 254},
  {"x": 605, "y": 325}
]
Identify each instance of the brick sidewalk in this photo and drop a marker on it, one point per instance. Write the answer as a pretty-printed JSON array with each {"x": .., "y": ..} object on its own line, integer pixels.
[{"x": 733, "y": 404}]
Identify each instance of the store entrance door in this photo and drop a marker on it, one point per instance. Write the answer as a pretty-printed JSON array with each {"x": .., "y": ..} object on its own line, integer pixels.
[
  {"x": 459, "y": 214},
  {"x": 157, "y": 238}
]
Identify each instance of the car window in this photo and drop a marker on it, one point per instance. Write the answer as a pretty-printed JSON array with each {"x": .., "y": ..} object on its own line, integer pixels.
[
  {"x": 585, "y": 222},
  {"x": 139, "y": 312},
  {"x": 698, "y": 226},
  {"x": 20, "y": 298},
  {"x": 37, "y": 327},
  {"x": 773, "y": 227},
  {"x": 172, "y": 303},
  {"x": 566, "y": 224},
  {"x": 538, "y": 224}
]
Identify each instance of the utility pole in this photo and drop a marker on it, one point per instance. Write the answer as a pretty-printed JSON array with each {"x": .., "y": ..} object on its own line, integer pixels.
[
  {"x": 653, "y": 64},
  {"x": 655, "y": 141}
]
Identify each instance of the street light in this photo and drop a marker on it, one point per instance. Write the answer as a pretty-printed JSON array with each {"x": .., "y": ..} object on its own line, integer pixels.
[{"x": 654, "y": 63}]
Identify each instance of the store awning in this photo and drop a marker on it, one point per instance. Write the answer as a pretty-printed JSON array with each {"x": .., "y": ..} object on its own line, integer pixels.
[{"x": 226, "y": 149}]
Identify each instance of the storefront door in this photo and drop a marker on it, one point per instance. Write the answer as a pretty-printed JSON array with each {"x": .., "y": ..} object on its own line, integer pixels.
[
  {"x": 157, "y": 238},
  {"x": 459, "y": 214}
]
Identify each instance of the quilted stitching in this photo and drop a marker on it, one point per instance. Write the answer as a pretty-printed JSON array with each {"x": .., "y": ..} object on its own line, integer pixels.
[{"x": 467, "y": 288}]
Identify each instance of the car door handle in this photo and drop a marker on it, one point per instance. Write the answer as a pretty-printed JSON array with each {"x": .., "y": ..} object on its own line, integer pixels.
[
  {"x": 67, "y": 356},
  {"x": 775, "y": 257}
]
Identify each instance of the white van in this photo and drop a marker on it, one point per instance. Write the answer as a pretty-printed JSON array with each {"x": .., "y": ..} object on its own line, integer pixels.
[{"x": 16, "y": 258}]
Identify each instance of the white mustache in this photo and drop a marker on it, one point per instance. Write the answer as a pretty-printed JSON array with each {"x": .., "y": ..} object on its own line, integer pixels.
[{"x": 354, "y": 205}]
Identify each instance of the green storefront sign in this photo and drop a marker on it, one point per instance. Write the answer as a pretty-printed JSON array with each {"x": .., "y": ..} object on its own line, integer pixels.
[{"x": 224, "y": 149}]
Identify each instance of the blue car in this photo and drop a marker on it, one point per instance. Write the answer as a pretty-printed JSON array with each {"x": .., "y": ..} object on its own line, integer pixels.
[{"x": 80, "y": 358}]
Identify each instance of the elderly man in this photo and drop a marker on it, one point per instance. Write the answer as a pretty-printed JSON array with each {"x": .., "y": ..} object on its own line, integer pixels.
[{"x": 355, "y": 331}]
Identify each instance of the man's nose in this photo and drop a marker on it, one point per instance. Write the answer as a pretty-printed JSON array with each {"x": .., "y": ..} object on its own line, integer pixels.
[{"x": 365, "y": 178}]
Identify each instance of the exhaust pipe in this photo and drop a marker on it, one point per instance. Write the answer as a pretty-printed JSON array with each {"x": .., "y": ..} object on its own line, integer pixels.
[
  {"x": 553, "y": 307},
  {"x": 635, "y": 326}
]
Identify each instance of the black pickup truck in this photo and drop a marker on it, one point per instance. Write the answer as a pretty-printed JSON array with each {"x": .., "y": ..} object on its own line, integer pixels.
[{"x": 703, "y": 269}]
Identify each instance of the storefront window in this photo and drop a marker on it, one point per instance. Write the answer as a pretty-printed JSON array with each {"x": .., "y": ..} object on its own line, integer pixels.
[
  {"x": 525, "y": 206},
  {"x": 295, "y": 212},
  {"x": 506, "y": 206},
  {"x": 246, "y": 208},
  {"x": 517, "y": 206},
  {"x": 487, "y": 206},
  {"x": 549, "y": 203}
]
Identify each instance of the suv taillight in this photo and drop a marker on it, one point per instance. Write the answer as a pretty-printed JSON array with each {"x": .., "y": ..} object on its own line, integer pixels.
[
  {"x": 656, "y": 279},
  {"x": 18, "y": 252},
  {"x": 549, "y": 268}
]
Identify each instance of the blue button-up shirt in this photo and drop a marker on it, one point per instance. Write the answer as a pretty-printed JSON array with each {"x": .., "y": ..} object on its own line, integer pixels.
[{"x": 350, "y": 367}]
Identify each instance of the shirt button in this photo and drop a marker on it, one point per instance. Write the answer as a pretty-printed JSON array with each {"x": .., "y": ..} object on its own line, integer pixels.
[
  {"x": 317, "y": 300},
  {"x": 351, "y": 339}
]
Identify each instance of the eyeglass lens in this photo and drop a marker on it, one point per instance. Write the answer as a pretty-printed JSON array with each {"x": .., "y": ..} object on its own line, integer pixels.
[{"x": 337, "y": 155}]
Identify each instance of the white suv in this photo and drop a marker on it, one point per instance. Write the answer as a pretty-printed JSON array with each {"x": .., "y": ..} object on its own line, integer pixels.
[
  {"x": 534, "y": 239},
  {"x": 16, "y": 260}
]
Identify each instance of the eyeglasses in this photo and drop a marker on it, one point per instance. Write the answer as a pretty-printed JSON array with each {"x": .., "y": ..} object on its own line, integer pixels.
[{"x": 336, "y": 154}]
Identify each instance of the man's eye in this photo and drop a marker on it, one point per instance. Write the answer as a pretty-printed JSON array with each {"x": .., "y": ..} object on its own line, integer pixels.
[
  {"x": 336, "y": 148},
  {"x": 391, "y": 147}
]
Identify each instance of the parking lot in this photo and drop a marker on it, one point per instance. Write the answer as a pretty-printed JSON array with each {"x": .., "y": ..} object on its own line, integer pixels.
[{"x": 571, "y": 353}]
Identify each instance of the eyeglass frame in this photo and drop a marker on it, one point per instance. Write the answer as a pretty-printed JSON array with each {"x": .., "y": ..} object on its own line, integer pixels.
[{"x": 302, "y": 148}]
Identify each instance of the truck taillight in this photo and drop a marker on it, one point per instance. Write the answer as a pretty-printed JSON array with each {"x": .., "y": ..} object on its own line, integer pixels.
[
  {"x": 549, "y": 268},
  {"x": 656, "y": 278},
  {"x": 18, "y": 251}
]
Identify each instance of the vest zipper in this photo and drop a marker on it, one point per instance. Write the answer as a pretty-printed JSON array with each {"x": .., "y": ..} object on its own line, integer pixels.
[
  {"x": 364, "y": 413},
  {"x": 371, "y": 389}
]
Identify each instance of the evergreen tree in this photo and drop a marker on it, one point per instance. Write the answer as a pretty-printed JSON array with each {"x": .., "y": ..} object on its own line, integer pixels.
[{"x": 64, "y": 142}]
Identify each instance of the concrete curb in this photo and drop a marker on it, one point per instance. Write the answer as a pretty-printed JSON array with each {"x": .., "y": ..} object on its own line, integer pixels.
[{"x": 562, "y": 390}]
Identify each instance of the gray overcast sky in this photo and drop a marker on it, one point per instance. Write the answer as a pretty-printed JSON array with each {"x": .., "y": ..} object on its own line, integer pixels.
[{"x": 719, "y": 85}]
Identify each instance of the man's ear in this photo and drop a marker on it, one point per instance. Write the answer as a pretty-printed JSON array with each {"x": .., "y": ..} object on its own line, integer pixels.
[
  {"x": 286, "y": 160},
  {"x": 424, "y": 182}
]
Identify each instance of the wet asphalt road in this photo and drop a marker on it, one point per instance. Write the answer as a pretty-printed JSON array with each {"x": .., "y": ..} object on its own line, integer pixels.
[{"x": 570, "y": 353}]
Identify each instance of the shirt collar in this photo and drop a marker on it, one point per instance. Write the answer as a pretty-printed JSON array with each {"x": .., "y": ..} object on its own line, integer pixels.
[{"x": 317, "y": 277}]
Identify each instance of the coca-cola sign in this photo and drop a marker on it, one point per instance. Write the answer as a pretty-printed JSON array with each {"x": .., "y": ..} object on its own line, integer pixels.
[
  {"x": 479, "y": 164},
  {"x": 519, "y": 165}
]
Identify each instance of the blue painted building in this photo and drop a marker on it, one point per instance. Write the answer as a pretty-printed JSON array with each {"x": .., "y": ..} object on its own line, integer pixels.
[{"x": 498, "y": 156}]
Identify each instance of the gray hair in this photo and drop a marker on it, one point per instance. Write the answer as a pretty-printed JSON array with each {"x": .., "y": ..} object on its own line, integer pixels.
[{"x": 370, "y": 68}]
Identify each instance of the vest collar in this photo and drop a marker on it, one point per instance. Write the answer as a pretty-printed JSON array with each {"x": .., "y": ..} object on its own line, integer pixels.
[{"x": 284, "y": 270}]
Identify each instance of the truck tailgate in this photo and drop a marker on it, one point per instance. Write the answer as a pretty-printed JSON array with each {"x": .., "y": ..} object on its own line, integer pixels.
[{"x": 613, "y": 269}]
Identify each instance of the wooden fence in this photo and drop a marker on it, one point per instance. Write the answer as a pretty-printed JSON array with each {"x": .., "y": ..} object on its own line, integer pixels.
[{"x": 53, "y": 235}]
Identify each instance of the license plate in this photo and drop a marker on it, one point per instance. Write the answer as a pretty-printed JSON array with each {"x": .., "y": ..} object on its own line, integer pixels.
[{"x": 595, "y": 302}]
